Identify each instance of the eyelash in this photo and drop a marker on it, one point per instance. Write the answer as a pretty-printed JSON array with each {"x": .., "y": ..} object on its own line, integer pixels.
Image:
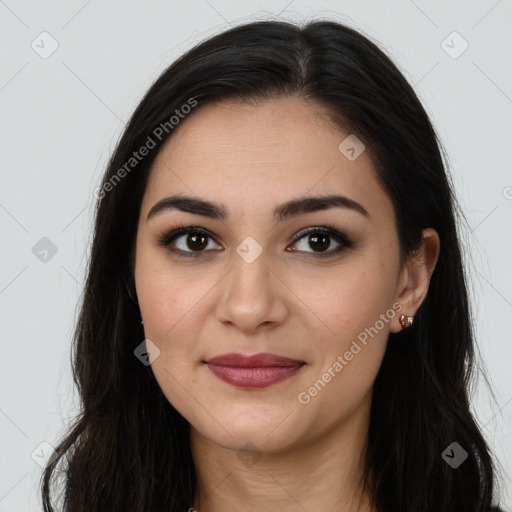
[{"x": 327, "y": 229}]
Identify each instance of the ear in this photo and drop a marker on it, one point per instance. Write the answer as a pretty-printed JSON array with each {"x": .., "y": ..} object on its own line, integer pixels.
[{"x": 414, "y": 278}]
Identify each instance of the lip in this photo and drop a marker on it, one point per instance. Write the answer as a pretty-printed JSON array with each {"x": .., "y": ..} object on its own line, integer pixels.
[
  {"x": 256, "y": 371},
  {"x": 234, "y": 359}
]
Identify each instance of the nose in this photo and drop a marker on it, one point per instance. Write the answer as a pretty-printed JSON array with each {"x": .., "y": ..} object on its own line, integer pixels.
[{"x": 253, "y": 296}]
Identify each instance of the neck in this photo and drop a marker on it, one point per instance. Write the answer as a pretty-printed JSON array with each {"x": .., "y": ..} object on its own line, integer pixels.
[{"x": 325, "y": 474}]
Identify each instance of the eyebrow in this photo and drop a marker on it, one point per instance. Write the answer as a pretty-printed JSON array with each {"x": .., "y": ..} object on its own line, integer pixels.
[{"x": 285, "y": 211}]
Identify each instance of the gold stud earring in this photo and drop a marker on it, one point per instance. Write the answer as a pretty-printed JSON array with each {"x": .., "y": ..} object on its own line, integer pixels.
[{"x": 406, "y": 321}]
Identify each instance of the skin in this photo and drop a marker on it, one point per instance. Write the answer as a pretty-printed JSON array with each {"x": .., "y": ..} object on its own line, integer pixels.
[{"x": 262, "y": 449}]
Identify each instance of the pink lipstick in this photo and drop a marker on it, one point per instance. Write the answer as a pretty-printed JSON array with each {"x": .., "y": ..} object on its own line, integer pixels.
[{"x": 257, "y": 371}]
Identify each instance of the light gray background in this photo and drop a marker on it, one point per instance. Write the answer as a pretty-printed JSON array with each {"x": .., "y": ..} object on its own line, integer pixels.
[{"x": 61, "y": 116}]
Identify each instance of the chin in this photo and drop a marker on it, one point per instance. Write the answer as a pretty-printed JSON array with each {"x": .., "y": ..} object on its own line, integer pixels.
[{"x": 268, "y": 434}]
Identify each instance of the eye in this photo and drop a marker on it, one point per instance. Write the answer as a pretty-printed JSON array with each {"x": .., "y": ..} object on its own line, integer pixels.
[
  {"x": 193, "y": 238},
  {"x": 191, "y": 241},
  {"x": 320, "y": 239}
]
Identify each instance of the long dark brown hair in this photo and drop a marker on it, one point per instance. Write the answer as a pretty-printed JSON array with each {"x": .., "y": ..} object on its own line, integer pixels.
[{"x": 128, "y": 449}]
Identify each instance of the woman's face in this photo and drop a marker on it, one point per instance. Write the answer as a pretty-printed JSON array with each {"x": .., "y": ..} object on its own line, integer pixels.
[{"x": 241, "y": 283}]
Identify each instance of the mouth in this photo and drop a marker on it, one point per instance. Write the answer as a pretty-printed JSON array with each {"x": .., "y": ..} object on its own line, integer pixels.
[{"x": 256, "y": 371}]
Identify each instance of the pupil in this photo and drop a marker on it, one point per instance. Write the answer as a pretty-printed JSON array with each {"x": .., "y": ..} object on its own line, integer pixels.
[
  {"x": 196, "y": 238},
  {"x": 325, "y": 245}
]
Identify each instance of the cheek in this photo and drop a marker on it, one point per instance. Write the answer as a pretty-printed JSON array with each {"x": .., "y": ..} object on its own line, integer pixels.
[
  {"x": 351, "y": 343},
  {"x": 172, "y": 320},
  {"x": 175, "y": 307},
  {"x": 170, "y": 310},
  {"x": 166, "y": 298},
  {"x": 346, "y": 304}
]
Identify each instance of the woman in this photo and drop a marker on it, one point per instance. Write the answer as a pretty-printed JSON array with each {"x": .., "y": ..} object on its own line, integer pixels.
[{"x": 275, "y": 312}]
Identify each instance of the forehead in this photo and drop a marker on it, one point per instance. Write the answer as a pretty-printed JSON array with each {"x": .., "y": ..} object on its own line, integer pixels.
[{"x": 257, "y": 155}]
